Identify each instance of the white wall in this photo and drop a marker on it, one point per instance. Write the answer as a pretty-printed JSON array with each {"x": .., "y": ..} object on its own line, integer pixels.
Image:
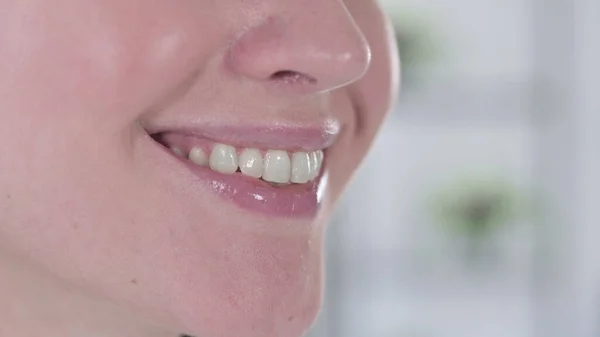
[{"x": 480, "y": 39}]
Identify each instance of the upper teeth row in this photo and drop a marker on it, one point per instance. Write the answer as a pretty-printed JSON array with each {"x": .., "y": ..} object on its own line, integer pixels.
[{"x": 277, "y": 166}]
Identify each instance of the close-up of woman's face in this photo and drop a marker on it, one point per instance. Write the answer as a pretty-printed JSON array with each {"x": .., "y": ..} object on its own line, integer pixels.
[{"x": 179, "y": 159}]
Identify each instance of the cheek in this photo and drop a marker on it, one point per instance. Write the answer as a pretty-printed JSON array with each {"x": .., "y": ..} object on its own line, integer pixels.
[
  {"x": 101, "y": 64},
  {"x": 73, "y": 197},
  {"x": 72, "y": 86}
]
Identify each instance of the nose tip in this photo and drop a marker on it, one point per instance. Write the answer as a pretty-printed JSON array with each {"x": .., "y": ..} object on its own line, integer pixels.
[{"x": 309, "y": 57}]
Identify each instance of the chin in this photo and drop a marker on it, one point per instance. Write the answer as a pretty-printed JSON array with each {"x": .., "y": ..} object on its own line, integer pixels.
[
  {"x": 255, "y": 283},
  {"x": 273, "y": 297}
]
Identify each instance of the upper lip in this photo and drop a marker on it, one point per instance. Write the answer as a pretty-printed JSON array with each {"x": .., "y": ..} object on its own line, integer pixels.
[{"x": 291, "y": 137}]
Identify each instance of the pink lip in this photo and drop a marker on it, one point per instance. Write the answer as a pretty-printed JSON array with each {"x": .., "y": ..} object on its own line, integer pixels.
[
  {"x": 293, "y": 201},
  {"x": 270, "y": 137}
]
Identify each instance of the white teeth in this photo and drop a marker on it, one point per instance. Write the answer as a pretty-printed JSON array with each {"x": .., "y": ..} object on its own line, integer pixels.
[
  {"x": 301, "y": 169},
  {"x": 223, "y": 159},
  {"x": 251, "y": 163},
  {"x": 277, "y": 167},
  {"x": 198, "y": 156}
]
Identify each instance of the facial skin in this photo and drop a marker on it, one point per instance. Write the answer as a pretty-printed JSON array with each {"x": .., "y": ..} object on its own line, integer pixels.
[{"x": 102, "y": 235}]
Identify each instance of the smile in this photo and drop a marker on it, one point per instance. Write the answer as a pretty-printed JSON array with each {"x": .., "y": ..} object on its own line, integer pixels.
[
  {"x": 275, "y": 166},
  {"x": 259, "y": 176}
]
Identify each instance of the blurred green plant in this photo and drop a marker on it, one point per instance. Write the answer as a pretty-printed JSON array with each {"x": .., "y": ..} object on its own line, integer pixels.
[
  {"x": 472, "y": 209},
  {"x": 475, "y": 206}
]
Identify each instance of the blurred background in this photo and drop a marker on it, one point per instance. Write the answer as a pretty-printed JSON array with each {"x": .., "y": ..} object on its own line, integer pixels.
[{"x": 478, "y": 203}]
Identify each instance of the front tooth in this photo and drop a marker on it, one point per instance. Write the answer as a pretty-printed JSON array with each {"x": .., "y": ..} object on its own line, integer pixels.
[
  {"x": 223, "y": 158},
  {"x": 251, "y": 163},
  {"x": 198, "y": 156},
  {"x": 277, "y": 167},
  {"x": 300, "y": 168}
]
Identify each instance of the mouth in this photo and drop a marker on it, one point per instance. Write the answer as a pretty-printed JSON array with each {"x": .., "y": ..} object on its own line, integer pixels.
[{"x": 259, "y": 175}]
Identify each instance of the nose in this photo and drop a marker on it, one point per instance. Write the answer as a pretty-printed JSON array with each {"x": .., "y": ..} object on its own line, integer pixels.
[{"x": 315, "y": 47}]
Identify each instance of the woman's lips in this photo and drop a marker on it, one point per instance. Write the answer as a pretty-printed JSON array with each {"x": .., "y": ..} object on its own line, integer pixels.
[
  {"x": 255, "y": 195},
  {"x": 300, "y": 200}
]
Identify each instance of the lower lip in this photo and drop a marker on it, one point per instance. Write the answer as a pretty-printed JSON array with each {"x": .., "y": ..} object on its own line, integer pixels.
[{"x": 293, "y": 201}]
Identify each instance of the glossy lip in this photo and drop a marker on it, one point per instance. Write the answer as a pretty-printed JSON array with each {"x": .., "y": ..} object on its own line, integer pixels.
[
  {"x": 285, "y": 137},
  {"x": 255, "y": 195}
]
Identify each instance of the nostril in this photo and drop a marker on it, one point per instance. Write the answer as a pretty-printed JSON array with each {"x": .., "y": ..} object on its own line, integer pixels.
[{"x": 290, "y": 76}]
